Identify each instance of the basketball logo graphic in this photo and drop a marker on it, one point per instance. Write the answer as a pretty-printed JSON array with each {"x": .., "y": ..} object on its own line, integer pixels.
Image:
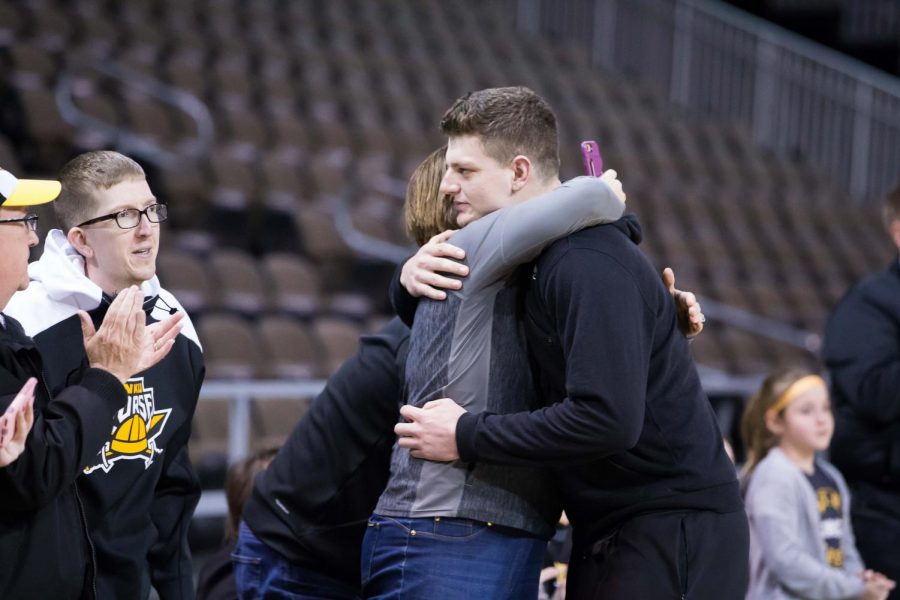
[{"x": 138, "y": 424}]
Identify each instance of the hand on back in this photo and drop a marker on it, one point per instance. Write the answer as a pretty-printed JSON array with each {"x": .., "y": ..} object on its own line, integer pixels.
[{"x": 428, "y": 273}]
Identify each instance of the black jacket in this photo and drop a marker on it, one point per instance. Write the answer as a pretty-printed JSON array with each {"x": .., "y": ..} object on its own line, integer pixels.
[
  {"x": 44, "y": 545},
  {"x": 312, "y": 503},
  {"x": 626, "y": 420},
  {"x": 139, "y": 488},
  {"x": 862, "y": 353}
]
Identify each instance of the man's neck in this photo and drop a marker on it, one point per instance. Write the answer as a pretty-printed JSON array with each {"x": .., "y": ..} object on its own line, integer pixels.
[{"x": 5, "y": 298}]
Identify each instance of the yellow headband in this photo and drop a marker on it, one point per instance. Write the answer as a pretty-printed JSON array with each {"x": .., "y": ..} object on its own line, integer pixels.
[{"x": 804, "y": 384}]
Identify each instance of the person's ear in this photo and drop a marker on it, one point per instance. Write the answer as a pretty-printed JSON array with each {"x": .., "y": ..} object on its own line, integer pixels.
[
  {"x": 894, "y": 230},
  {"x": 774, "y": 422},
  {"x": 521, "y": 172},
  {"x": 79, "y": 241}
]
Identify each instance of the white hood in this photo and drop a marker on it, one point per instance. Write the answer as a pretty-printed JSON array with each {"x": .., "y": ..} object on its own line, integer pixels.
[
  {"x": 59, "y": 288},
  {"x": 60, "y": 271}
]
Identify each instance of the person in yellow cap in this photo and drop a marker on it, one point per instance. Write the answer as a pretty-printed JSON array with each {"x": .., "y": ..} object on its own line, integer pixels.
[
  {"x": 26, "y": 192},
  {"x": 44, "y": 541},
  {"x": 139, "y": 488}
]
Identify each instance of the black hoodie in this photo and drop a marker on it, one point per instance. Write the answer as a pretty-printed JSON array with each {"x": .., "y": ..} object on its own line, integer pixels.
[
  {"x": 862, "y": 352},
  {"x": 626, "y": 421}
]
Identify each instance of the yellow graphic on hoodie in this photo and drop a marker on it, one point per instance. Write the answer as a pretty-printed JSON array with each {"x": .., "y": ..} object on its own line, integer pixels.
[{"x": 134, "y": 433}]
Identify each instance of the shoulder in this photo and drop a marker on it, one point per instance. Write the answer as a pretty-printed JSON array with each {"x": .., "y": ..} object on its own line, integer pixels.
[
  {"x": 774, "y": 469},
  {"x": 600, "y": 259},
  {"x": 37, "y": 311},
  {"x": 617, "y": 242},
  {"x": 876, "y": 287}
]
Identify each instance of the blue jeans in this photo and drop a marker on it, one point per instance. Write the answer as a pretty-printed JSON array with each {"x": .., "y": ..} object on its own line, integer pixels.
[
  {"x": 450, "y": 559},
  {"x": 260, "y": 572}
]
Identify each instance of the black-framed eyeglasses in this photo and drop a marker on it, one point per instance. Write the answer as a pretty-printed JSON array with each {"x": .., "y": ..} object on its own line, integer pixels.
[
  {"x": 129, "y": 218},
  {"x": 31, "y": 221}
]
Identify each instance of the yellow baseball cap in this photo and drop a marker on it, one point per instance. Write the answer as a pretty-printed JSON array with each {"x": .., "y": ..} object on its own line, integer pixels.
[{"x": 26, "y": 192}]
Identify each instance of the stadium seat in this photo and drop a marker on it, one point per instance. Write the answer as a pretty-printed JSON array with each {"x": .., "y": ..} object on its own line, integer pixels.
[
  {"x": 291, "y": 352},
  {"x": 230, "y": 347}
]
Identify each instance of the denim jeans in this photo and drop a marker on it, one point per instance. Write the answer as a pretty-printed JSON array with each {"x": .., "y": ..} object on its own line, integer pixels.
[
  {"x": 260, "y": 572},
  {"x": 447, "y": 558}
]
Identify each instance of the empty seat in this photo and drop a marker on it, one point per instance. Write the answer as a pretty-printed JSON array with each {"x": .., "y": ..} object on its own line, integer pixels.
[
  {"x": 293, "y": 283},
  {"x": 240, "y": 284},
  {"x": 319, "y": 235},
  {"x": 209, "y": 430},
  {"x": 339, "y": 339},
  {"x": 230, "y": 347},
  {"x": 273, "y": 419},
  {"x": 187, "y": 278},
  {"x": 291, "y": 352}
]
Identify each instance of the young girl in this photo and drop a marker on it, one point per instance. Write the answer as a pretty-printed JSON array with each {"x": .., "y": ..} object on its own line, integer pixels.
[{"x": 801, "y": 541}]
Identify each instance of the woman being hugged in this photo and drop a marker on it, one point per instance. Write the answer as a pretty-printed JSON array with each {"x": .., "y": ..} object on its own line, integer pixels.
[{"x": 801, "y": 541}]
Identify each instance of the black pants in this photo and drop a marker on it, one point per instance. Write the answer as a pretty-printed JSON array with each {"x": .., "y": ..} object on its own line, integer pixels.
[
  {"x": 695, "y": 555},
  {"x": 876, "y": 525}
]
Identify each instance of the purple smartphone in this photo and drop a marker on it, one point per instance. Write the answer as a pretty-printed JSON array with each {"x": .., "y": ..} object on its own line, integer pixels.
[{"x": 593, "y": 163}]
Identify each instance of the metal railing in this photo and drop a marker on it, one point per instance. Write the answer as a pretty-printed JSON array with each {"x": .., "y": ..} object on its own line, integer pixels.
[
  {"x": 126, "y": 141},
  {"x": 798, "y": 98}
]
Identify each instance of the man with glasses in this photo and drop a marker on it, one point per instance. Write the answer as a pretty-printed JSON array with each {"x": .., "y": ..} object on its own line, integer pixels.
[
  {"x": 44, "y": 540},
  {"x": 140, "y": 489}
]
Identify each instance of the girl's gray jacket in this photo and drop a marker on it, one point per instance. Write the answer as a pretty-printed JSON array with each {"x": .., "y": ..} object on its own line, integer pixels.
[{"x": 787, "y": 552}]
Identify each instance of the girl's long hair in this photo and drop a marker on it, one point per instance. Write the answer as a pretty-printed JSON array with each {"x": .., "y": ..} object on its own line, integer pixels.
[{"x": 758, "y": 440}]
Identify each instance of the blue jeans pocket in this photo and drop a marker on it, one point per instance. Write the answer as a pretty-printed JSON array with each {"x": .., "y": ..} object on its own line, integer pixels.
[{"x": 247, "y": 565}]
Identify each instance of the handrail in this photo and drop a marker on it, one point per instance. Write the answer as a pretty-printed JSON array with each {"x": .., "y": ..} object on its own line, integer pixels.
[
  {"x": 363, "y": 243},
  {"x": 792, "y": 94},
  {"x": 763, "y": 326},
  {"x": 129, "y": 142}
]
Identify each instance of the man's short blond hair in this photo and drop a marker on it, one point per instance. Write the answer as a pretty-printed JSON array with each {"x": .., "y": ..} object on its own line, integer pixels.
[{"x": 85, "y": 174}]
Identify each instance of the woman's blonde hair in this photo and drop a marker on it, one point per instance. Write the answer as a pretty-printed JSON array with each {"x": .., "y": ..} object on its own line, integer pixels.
[
  {"x": 427, "y": 212},
  {"x": 758, "y": 440}
]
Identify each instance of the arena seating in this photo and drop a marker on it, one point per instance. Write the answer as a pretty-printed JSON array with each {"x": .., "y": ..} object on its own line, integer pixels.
[{"x": 313, "y": 102}]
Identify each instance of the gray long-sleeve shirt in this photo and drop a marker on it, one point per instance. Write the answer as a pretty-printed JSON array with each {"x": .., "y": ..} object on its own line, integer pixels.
[
  {"x": 787, "y": 553},
  {"x": 470, "y": 347}
]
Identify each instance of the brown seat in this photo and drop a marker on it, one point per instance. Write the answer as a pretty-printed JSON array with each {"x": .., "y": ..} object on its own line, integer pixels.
[
  {"x": 230, "y": 347},
  {"x": 185, "y": 276},
  {"x": 209, "y": 430},
  {"x": 339, "y": 339},
  {"x": 239, "y": 281},
  {"x": 273, "y": 419},
  {"x": 291, "y": 352},
  {"x": 294, "y": 284},
  {"x": 320, "y": 237}
]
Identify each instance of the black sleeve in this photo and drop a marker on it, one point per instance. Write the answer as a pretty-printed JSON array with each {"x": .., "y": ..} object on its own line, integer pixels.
[
  {"x": 862, "y": 353},
  {"x": 356, "y": 411},
  {"x": 403, "y": 302},
  {"x": 605, "y": 331},
  {"x": 66, "y": 434}
]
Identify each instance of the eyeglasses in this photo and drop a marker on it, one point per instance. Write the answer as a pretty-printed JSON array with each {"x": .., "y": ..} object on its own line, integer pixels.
[
  {"x": 130, "y": 218},
  {"x": 31, "y": 221}
]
